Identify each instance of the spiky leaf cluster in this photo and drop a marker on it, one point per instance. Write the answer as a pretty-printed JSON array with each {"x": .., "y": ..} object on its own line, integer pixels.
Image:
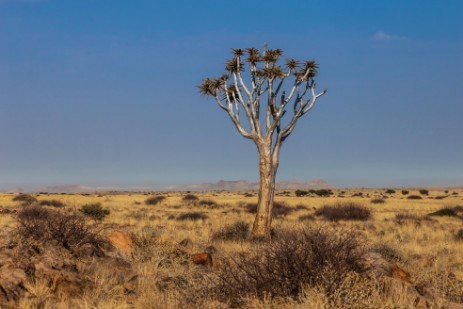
[{"x": 264, "y": 66}]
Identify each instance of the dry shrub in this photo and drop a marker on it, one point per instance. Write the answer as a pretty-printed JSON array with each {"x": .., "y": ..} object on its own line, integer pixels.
[
  {"x": 26, "y": 199},
  {"x": 459, "y": 235},
  {"x": 414, "y": 197},
  {"x": 404, "y": 217},
  {"x": 194, "y": 216},
  {"x": 154, "y": 200},
  {"x": 279, "y": 209},
  {"x": 208, "y": 203},
  {"x": 344, "y": 211},
  {"x": 378, "y": 201},
  {"x": 444, "y": 212},
  {"x": 237, "y": 231},
  {"x": 69, "y": 229},
  {"x": 190, "y": 198},
  {"x": 388, "y": 252},
  {"x": 294, "y": 259},
  {"x": 306, "y": 218},
  {"x": 251, "y": 208},
  {"x": 53, "y": 203},
  {"x": 301, "y": 207}
]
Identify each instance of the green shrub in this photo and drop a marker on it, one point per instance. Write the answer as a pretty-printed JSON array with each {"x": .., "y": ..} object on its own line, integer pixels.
[
  {"x": 405, "y": 192},
  {"x": 424, "y": 192},
  {"x": 390, "y": 191},
  {"x": 378, "y": 201},
  {"x": 322, "y": 192},
  {"x": 301, "y": 192},
  {"x": 94, "y": 211},
  {"x": 344, "y": 211},
  {"x": 414, "y": 197}
]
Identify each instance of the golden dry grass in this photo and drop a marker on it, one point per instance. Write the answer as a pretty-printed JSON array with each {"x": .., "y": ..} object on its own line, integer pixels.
[{"x": 424, "y": 247}]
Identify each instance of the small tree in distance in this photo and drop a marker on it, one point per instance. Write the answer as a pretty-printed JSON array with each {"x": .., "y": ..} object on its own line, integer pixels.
[{"x": 264, "y": 103}]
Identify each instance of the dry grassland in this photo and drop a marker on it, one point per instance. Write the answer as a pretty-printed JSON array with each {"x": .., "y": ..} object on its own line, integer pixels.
[{"x": 428, "y": 247}]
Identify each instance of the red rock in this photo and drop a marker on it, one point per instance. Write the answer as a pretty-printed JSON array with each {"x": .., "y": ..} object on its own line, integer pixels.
[
  {"x": 202, "y": 258},
  {"x": 399, "y": 273},
  {"x": 122, "y": 242}
]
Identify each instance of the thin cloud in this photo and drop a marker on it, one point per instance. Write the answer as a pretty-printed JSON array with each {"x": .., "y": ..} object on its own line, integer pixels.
[{"x": 383, "y": 36}]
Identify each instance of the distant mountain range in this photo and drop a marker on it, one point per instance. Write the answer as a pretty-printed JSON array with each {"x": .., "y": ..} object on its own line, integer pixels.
[{"x": 228, "y": 185}]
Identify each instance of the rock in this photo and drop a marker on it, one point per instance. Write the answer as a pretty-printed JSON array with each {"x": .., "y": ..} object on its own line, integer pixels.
[
  {"x": 397, "y": 283},
  {"x": 63, "y": 278},
  {"x": 202, "y": 258},
  {"x": 374, "y": 265},
  {"x": 122, "y": 242},
  {"x": 452, "y": 306},
  {"x": 422, "y": 303},
  {"x": 399, "y": 273},
  {"x": 12, "y": 285}
]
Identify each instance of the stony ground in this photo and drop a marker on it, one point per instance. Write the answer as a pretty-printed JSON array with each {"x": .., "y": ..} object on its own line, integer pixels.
[{"x": 180, "y": 250}]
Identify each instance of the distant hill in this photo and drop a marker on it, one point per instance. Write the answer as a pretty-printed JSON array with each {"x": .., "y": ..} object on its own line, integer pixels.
[
  {"x": 228, "y": 185},
  {"x": 231, "y": 185}
]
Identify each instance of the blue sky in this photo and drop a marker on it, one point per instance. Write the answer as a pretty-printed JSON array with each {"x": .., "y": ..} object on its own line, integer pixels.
[{"x": 103, "y": 92}]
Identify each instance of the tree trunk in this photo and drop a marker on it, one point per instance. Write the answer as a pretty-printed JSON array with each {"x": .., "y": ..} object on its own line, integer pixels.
[{"x": 268, "y": 168}]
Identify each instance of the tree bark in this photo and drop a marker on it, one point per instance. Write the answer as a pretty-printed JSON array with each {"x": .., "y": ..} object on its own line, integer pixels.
[{"x": 268, "y": 166}]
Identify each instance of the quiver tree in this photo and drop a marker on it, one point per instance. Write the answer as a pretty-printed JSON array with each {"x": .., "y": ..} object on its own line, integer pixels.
[{"x": 257, "y": 105}]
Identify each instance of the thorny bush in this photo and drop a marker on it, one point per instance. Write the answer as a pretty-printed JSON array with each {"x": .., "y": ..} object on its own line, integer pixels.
[
  {"x": 294, "y": 259},
  {"x": 68, "y": 229}
]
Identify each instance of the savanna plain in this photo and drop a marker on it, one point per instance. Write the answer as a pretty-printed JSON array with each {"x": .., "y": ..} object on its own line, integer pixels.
[{"x": 340, "y": 248}]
